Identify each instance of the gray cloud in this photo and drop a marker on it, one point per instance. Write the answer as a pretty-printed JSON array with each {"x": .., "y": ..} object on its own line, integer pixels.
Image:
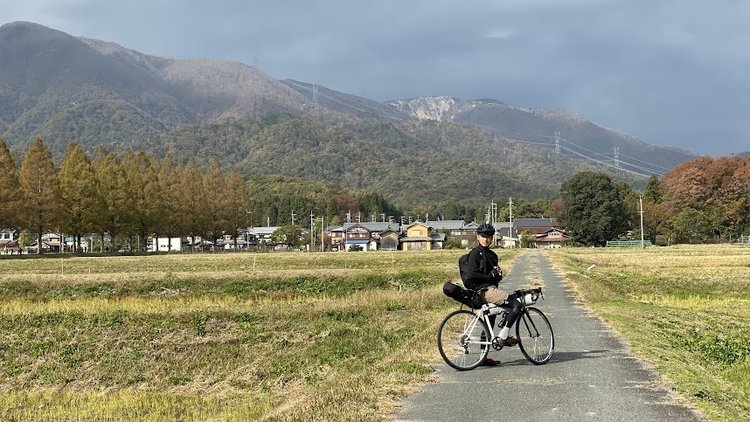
[{"x": 666, "y": 72}]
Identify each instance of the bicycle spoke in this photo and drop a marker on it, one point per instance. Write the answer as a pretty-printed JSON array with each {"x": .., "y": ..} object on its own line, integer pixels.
[
  {"x": 537, "y": 340},
  {"x": 463, "y": 340}
]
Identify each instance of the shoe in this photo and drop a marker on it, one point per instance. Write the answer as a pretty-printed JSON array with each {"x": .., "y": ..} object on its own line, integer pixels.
[
  {"x": 489, "y": 362},
  {"x": 510, "y": 341}
]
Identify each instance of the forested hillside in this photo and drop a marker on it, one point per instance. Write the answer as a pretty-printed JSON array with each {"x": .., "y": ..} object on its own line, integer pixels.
[{"x": 413, "y": 163}]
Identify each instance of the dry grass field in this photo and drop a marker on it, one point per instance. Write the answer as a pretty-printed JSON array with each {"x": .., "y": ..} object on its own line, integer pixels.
[
  {"x": 241, "y": 336},
  {"x": 684, "y": 309}
]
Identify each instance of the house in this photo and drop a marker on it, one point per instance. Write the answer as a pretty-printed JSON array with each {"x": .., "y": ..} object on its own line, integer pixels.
[
  {"x": 547, "y": 231},
  {"x": 262, "y": 235},
  {"x": 342, "y": 238},
  {"x": 356, "y": 235},
  {"x": 507, "y": 234},
  {"x": 165, "y": 244},
  {"x": 553, "y": 238},
  {"x": 8, "y": 243},
  {"x": 389, "y": 241},
  {"x": 419, "y": 237},
  {"x": 456, "y": 229}
]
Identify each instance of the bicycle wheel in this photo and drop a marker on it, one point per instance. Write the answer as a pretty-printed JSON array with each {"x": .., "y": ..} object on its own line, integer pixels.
[
  {"x": 463, "y": 340},
  {"x": 537, "y": 341}
]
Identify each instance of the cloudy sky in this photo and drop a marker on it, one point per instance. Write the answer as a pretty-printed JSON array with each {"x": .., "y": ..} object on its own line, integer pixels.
[{"x": 669, "y": 72}]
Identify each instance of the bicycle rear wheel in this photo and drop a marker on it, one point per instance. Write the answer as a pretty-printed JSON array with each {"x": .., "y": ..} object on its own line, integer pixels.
[
  {"x": 537, "y": 341},
  {"x": 463, "y": 340}
]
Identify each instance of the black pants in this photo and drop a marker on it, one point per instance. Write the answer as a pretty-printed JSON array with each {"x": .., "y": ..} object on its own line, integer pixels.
[{"x": 513, "y": 314}]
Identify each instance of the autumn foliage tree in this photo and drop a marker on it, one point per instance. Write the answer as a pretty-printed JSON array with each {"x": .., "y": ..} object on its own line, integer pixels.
[
  {"x": 10, "y": 191},
  {"x": 707, "y": 199},
  {"x": 43, "y": 207}
]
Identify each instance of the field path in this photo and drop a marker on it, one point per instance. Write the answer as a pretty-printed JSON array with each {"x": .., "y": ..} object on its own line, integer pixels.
[{"x": 591, "y": 377}]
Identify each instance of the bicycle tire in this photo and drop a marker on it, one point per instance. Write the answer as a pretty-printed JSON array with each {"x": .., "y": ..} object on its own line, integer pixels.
[
  {"x": 535, "y": 335},
  {"x": 460, "y": 349}
]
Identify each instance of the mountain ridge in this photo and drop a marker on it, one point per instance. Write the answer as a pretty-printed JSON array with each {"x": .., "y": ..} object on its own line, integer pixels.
[{"x": 63, "y": 88}]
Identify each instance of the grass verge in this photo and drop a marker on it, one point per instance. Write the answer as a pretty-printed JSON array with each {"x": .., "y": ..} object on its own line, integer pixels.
[{"x": 686, "y": 310}]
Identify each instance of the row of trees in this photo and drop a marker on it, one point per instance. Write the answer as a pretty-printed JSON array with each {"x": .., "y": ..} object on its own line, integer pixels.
[
  {"x": 139, "y": 195},
  {"x": 136, "y": 195},
  {"x": 702, "y": 200}
]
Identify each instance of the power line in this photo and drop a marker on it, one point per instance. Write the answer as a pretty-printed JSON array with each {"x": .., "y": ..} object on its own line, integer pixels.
[{"x": 556, "y": 144}]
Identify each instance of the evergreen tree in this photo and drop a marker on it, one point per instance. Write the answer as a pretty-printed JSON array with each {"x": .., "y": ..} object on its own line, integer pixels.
[
  {"x": 10, "y": 190},
  {"x": 40, "y": 189},
  {"x": 78, "y": 185},
  {"x": 653, "y": 192},
  {"x": 593, "y": 208}
]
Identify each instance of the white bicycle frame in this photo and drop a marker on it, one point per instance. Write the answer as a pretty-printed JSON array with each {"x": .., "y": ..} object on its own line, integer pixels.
[{"x": 484, "y": 315}]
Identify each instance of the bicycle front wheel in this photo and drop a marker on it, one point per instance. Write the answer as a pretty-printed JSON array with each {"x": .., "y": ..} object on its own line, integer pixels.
[
  {"x": 463, "y": 340},
  {"x": 537, "y": 341}
]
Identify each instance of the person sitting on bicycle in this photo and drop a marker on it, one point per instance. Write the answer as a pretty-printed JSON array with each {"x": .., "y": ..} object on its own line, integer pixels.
[{"x": 485, "y": 275}]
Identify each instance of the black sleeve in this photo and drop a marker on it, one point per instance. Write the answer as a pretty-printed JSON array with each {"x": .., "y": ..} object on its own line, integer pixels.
[{"x": 480, "y": 276}]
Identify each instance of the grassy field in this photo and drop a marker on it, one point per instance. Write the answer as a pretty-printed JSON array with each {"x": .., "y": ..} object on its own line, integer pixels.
[
  {"x": 684, "y": 309},
  {"x": 219, "y": 336}
]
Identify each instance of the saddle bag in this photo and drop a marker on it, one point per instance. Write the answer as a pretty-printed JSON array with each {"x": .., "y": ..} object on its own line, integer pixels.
[{"x": 467, "y": 297}]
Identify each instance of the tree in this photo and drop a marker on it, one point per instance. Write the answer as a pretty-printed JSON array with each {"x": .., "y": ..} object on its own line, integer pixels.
[
  {"x": 168, "y": 185},
  {"x": 653, "y": 192},
  {"x": 40, "y": 190},
  {"x": 114, "y": 205},
  {"x": 144, "y": 192},
  {"x": 193, "y": 210},
  {"x": 235, "y": 204},
  {"x": 214, "y": 187},
  {"x": 10, "y": 190},
  {"x": 290, "y": 234},
  {"x": 527, "y": 239},
  {"x": 593, "y": 208},
  {"x": 78, "y": 185}
]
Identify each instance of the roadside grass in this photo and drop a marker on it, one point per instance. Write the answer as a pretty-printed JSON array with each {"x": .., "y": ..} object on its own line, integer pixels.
[
  {"x": 684, "y": 309},
  {"x": 298, "y": 339}
]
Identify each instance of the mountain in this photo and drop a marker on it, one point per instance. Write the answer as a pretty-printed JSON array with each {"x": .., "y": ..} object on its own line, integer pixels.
[
  {"x": 344, "y": 103},
  {"x": 576, "y": 135},
  {"x": 62, "y": 88}
]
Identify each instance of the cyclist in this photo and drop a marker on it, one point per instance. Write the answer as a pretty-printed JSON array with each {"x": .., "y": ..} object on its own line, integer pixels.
[{"x": 484, "y": 275}]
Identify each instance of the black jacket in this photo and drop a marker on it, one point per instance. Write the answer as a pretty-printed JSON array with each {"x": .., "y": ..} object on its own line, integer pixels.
[{"x": 482, "y": 264}]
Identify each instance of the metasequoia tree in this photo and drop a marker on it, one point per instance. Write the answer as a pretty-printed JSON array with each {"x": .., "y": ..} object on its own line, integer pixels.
[
  {"x": 10, "y": 191},
  {"x": 78, "y": 186},
  {"x": 43, "y": 208}
]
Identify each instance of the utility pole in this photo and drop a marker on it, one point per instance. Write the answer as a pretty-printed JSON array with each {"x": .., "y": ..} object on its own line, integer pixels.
[
  {"x": 510, "y": 217},
  {"x": 312, "y": 231},
  {"x": 322, "y": 234},
  {"x": 293, "y": 214},
  {"x": 640, "y": 201}
]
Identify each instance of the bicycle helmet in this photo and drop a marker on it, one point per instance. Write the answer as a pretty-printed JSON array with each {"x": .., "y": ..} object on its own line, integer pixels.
[{"x": 486, "y": 230}]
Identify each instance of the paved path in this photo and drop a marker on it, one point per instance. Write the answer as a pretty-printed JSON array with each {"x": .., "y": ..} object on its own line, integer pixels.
[{"x": 591, "y": 376}]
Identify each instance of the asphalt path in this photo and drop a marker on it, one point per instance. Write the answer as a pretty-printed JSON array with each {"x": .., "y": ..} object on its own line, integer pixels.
[{"x": 591, "y": 376}]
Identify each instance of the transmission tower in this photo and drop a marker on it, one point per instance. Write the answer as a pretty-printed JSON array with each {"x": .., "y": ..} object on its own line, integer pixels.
[
  {"x": 315, "y": 94},
  {"x": 617, "y": 157}
]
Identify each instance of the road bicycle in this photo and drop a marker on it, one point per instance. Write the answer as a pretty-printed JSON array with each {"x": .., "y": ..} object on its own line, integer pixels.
[{"x": 465, "y": 337}]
